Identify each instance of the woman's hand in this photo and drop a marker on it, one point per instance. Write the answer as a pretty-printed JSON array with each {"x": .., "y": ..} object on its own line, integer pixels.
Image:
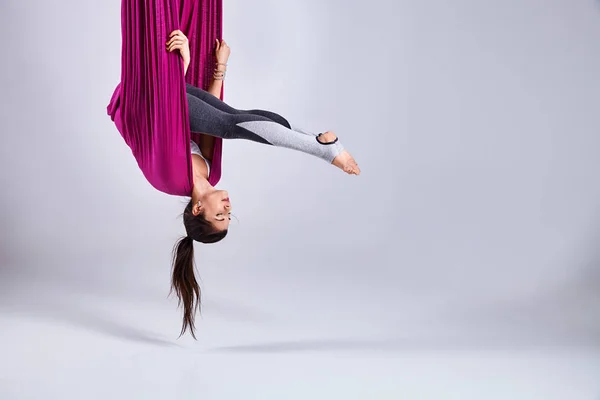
[
  {"x": 178, "y": 41},
  {"x": 222, "y": 52}
]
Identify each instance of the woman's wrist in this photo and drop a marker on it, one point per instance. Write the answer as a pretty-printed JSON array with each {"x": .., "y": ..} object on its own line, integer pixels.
[{"x": 219, "y": 71}]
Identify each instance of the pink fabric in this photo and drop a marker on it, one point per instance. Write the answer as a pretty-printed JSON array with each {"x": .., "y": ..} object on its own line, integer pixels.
[{"x": 149, "y": 106}]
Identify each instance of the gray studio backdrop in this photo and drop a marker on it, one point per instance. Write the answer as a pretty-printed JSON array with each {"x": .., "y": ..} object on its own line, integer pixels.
[{"x": 474, "y": 226}]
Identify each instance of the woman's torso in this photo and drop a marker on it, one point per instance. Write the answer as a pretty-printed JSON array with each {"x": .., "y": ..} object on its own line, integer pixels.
[
  {"x": 207, "y": 145},
  {"x": 200, "y": 147}
]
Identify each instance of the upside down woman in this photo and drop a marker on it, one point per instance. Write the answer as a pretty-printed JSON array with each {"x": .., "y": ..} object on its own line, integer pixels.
[{"x": 206, "y": 218}]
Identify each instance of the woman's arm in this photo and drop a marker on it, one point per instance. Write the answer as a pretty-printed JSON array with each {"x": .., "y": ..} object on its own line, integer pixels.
[
  {"x": 178, "y": 41},
  {"x": 222, "y": 55},
  {"x": 216, "y": 83}
]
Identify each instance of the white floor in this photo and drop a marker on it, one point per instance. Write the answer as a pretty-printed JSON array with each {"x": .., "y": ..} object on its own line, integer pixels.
[{"x": 87, "y": 357}]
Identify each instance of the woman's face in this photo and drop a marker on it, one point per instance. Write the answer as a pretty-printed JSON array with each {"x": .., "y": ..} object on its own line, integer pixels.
[{"x": 216, "y": 208}]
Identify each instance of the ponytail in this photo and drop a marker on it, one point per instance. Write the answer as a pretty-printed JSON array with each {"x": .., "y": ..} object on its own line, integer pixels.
[{"x": 184, "y": 283}]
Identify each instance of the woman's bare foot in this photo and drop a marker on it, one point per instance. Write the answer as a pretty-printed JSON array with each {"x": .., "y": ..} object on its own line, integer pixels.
[{"x": 344, "y": 160}]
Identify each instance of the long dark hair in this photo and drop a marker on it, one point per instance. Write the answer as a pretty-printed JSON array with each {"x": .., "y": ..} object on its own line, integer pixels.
[{"x": 184, "y": 281}]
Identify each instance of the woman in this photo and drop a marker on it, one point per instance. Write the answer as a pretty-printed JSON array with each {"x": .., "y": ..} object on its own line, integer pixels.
[{"x": 206, "y": 217}]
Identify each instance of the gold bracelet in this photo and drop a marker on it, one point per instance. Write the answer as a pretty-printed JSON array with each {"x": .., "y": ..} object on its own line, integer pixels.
[{"x": 217, "y": 73}]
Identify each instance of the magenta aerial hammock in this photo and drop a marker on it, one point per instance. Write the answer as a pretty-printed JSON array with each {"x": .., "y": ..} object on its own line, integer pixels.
[{"x": 168, "y": 108}]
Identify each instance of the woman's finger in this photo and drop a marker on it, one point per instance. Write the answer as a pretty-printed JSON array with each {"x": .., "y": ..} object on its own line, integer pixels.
[
  {"x": 178, "y": 37},
  {"x": 175, "y": 46},
  {"x": 176, "y": 32},
  {"x": 178, "y": 41},
  {"x": 171, "y": 46}
]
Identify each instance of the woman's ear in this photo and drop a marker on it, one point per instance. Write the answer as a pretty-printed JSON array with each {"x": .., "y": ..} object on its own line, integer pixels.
[{"x": 197, "y": 208}]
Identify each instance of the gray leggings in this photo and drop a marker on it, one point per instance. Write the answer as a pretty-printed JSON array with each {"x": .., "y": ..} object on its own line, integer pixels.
[{"x": 211, "y": 116}]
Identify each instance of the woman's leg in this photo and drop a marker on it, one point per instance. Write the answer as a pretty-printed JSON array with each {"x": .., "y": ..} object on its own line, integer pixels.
[
  {"x": 211, "y": 116},
  {"x": 220, "y": 105}
]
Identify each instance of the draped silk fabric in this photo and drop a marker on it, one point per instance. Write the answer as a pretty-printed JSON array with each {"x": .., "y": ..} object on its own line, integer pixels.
[{"x": 149, "y": 106}]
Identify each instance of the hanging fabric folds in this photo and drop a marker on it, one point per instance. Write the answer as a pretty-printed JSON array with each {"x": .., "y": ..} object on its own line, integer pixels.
[{"x": 149, "y": 105}]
